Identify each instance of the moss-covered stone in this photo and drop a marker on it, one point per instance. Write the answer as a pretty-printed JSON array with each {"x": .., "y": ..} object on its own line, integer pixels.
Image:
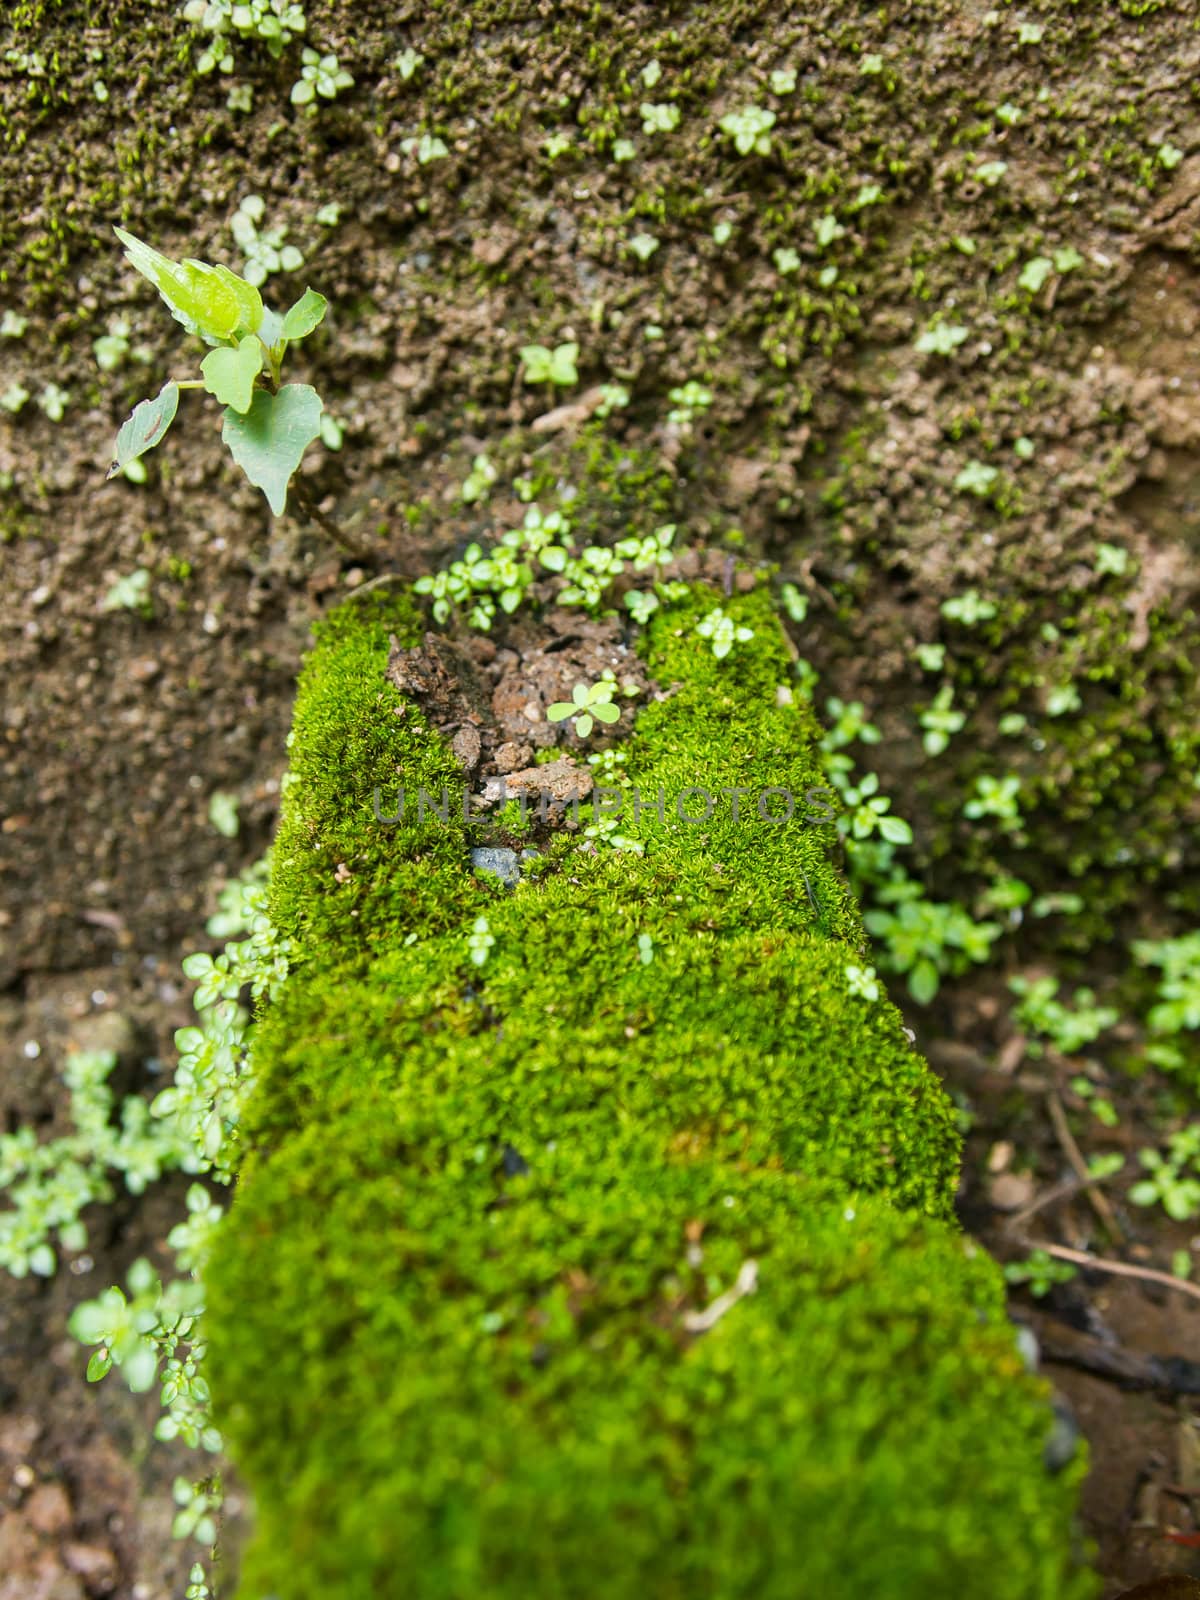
[{"x": 454, "y": 1341}]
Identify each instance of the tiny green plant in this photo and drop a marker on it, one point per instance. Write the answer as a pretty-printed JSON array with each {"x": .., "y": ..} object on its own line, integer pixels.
[
  {"x": 924, "y": 939},
  {"x": 50, "y": 1183},
  {"x": 722, "y": 632},
  {"x": 1172, "y": 1180},
  {"x": 868, "y": 812},
  {"x": 750, "y": 130},
  {"x": 478, "y": 481},
  {"x": 1176, "y": 1012},
  {"x": 1040, "y": 1272},
  {"x": 1112, "y": 560},
  {"x": 131, "y": 593},
  {"x": 111, "y": 348},
  {"x": 826, "y": 229},
  {"x": 273, "y": 22},
  {"x": 480, "y": 941},
  {"x": 589, "y": 704},
  {"x": 264, "y": 250},
  {"x": 1102, "y": 1108},
  {"x": 556, "y": 366},
  {"x": 1040, "y": 1012},
  {"x": 53, "y": 401},
  {"x": 941, "y": 338},
  {"x": 939, "y": 721},
  {"x": 319, "y": 75},
  {"x": 659, "y": 118},
  {"x": 268, "y": 424},
  {"x": 995, "y": 797},
  {"x": 426, "y": 147},
  {"x": 1035, "y": 274},
  {"x": 968, "y": 608},
  {"x": 861, "y": 981},
  {"x": 977, "y": 478},
  {"x": 689, "y": 399},
  {"x": 932, "y": 658},
  {"x": 223, "y": 813}
]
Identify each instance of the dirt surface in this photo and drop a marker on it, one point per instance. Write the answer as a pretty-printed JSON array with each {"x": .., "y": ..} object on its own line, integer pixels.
[{"x": 831, "y": 444}]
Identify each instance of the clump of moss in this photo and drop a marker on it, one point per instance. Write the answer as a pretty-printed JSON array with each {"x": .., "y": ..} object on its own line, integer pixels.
[{"x": 458, "y": 1327}]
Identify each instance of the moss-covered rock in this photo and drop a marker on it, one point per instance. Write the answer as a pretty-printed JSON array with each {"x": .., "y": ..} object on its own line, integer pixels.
[{"x": 459, "y": 1342}]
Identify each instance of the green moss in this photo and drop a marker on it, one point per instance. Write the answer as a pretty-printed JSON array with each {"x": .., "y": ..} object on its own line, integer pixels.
[{"x": 450, "y": 1334}]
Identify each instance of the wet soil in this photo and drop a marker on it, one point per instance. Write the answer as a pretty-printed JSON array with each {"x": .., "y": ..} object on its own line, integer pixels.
[{"x": 831, "y": 445}]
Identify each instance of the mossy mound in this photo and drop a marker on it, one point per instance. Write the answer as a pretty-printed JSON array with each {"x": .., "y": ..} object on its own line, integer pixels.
[{"x": 455, "y": 1338}]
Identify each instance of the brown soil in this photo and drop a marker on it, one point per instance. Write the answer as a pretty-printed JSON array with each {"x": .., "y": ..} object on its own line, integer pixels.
[{"x": 830, "y": 444}]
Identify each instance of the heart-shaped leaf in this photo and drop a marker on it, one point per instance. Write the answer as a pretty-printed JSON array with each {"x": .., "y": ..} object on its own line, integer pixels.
[
  {"x": 305, "y": 315},
  {"x": 146, "y": 427},
  {"x": 230, "y": 374},
  {"x": 195, "y": 292},
  {"x": 268, "y": 442}
]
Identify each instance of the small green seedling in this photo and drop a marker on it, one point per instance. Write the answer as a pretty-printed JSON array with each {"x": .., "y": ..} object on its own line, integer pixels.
[
  {"x": 319, "y": 75},
  {"x": 131, "y": 593},
  {"x": 750, "y": 130},
  {"x": 663, "y": 118},
  {"x": 968, "y": 608},
  {"x": 1040, "y": 1271},
  {"x": 977, "y": 478},
  {"x": 1111, "y": 559},
  {"x": 941, "y": 339},
  {"x": 723, "y": 632},
  {"x": 480, "y": 941},
  {"x": 427, "y": 147},
  {"x": 861, "y": 981},
  {"x": 543, "y": 365},
  {"x": 268, "y": 424},
  {"x": 1035, "y": 274},
  {"x": 589, "y": 703},
  {"x": 264, "y": 249},
  {"x": 939, "y": 721},
  {"x": 54, "y": 401}
]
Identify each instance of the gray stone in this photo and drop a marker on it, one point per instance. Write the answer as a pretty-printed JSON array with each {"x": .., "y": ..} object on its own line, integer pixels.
[{"x": 503, "y": 864}]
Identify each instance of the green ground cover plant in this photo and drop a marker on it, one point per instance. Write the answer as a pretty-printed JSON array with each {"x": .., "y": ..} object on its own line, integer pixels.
[{"x": 508, "y": 1151}]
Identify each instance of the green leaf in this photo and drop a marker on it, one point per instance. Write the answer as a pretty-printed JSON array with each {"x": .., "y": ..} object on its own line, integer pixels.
[
  {"x": 249, "y": 300},
  {"x": 197, "y": 295},
  {"x": 923, "y": 982},
  {"x": 230, "y": 374},
  {"x": 141, "y": 1367},
  {"x": 606, "y": 712},
  {"x": 305, "y": 315},
  {"x": 269, "y": 441},
  {"x": 146, "y": 427},
  {"x": 270, "y": 330},
  {"x": 99, "y": 1366},
  {"x": 895, "y": 830}
]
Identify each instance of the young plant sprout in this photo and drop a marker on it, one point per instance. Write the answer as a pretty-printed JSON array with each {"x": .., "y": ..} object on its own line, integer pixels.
[
  {"x": 589, "y": 703},
  {"x": 543, "y": 365},
  {"x": 268, "y": 424}
]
